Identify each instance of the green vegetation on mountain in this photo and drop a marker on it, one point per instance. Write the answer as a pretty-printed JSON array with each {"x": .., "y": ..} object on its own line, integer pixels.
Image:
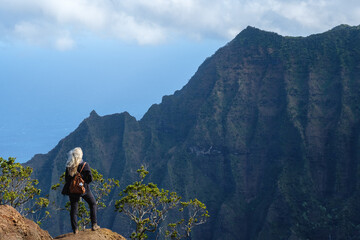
[
  {"x": 148, "y": 207},
  {"x": 19, "y": 190},
  {"x": 16, "y": 186},
  {"x": 266, "y": 134}
]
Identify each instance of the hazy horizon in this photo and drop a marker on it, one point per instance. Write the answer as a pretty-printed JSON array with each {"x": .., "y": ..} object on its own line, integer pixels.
[{"x": 32, "y": 126}]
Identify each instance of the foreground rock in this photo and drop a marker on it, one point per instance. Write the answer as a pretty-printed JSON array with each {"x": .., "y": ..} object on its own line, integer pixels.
[
  {"x": 13, "y": 226},
  {"x": 101, "y": 234}
]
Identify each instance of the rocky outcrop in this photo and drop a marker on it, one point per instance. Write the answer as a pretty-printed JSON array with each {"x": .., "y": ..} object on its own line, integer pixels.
[
  {"x": 101, "y": 234},
  {"x": 13, "y": 226}
]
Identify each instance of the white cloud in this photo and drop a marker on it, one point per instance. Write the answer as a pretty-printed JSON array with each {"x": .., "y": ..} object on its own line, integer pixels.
[
  {"x": 85, "y": 13},
  {"x": 151, "y": 22},
  {"x": 64, "y": 43},
  {"x": 27, "y": 31},
  {"x": 127, "y": 28}
]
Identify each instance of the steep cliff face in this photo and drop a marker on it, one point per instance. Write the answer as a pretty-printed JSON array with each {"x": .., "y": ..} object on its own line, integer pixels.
[
  {"x": 266, "y": 133},
  {"x": 111, "y": 144}
]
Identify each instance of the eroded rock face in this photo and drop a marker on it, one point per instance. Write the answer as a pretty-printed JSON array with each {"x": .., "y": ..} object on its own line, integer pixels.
[
  {"x": 266, "y": 134},
  {"x": 13, "y": 226}
]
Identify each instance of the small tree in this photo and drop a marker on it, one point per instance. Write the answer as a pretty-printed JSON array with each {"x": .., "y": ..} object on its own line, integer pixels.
[
  {"x": 36, "y": 208},
  {"x": 16, "y": 186},
  {"x": 197, "y": 215},
  {"x": 101, "y": 188},
  {"x": 148, "y": 206},
  {"x": 17, "y": 189}
]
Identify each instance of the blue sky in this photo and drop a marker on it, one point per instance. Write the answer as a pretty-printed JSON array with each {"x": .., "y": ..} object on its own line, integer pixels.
[{"x": 61, "y": 59}]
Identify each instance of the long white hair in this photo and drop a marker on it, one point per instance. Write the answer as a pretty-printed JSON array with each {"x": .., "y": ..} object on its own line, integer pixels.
[{"x": 74, "y": 159}]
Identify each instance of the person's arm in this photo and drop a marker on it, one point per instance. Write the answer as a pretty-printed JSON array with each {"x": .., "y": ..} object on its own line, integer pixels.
[
  {"x": 67, "y": 176},
  {"x": 86, "y": 174}
]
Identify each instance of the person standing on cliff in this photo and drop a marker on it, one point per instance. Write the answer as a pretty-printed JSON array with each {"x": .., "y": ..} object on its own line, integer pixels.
[{"x": 74, "y": 164}]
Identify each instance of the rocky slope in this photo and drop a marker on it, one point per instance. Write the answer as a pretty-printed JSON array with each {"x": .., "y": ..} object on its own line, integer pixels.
[
  {"x": 13, "y": 226},
  {"x": 266, "y": 133},
  {"x": 100, "y": 234}
]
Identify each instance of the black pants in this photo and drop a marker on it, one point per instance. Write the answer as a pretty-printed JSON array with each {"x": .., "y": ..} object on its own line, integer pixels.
[{"x": 74, "y": 201}]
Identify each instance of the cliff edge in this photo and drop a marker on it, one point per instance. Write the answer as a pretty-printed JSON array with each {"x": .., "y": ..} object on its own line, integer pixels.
[
  {"x": 13, "y": 226},
  {"x": 102, "y": 233}
]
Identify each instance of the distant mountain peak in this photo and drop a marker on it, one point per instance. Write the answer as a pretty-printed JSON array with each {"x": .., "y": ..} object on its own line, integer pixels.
[
  {"x": 250, "y": 30},
  {"x": 341, "y": 27},
  {"x": 93, "y": 114},
  {"x": 253, "y": 35}
]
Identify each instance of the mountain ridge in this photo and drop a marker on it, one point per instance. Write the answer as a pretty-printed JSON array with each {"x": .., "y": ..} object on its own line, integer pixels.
[{"x": 265, "y": 133}]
